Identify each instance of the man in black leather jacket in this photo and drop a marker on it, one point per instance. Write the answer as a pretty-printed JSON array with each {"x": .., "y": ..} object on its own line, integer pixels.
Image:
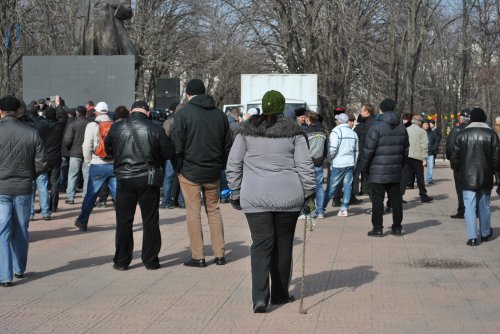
[
  {"x": 475, "y": 157},
  {"x": 22, "y": 157},
  {"x": 464, "y": 121},
  {"x": 131, "y": 172}
]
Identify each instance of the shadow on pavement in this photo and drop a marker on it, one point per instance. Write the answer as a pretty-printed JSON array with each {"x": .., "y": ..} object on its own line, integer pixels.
[
  {"x": 341, "y": 280},
  {"x": 414, "y": 227}
]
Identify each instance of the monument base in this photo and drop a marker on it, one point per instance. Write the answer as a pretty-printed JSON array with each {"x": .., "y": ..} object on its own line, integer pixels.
[{"x": 78, "y": 79}]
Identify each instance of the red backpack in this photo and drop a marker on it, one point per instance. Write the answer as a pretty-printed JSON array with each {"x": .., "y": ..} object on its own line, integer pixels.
[{"x": 103, "y": 130}]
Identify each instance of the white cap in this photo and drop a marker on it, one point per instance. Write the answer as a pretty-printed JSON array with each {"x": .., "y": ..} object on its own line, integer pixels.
[
  {"x": 101, "y": 107},
  {"x": 252, "y": 111}
]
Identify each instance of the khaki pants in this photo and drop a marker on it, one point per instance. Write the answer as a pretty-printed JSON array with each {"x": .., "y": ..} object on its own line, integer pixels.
[{"x": 192, "y": 197}]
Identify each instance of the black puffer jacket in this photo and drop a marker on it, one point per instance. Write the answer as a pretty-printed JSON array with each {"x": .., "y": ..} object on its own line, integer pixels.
[
  {"x": 433, "y": 147},
  {"x": 74, "y": 135},
  {"x": 385, "y": 150},
  {"x": 22, "y": 157},
  {"x": 128, "y": 160},
  {"x": 475, "y": 156},
  {"x": 202, "y": 140}
]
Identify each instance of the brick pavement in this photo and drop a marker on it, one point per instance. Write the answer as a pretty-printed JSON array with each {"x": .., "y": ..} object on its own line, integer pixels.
[{"x": 427, "y": 281}]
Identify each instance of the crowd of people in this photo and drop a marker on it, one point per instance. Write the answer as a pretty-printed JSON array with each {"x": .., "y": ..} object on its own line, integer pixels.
[{"x": 269, "y": 165}]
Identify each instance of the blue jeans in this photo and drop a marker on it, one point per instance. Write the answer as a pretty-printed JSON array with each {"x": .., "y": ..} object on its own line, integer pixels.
[
  {"x": 167, "y": 183},
  {"x": 477, "y": 200},
  {"x": 430, "y": 167},
  {"x": 98, "y": 174},
  {"x": 75, "y": 164},
  {"x": 42, "y": 185},
  {"x": 320, "y": 192},
  {"x": 339, "y": 175},
  {"x": 14, "y": 238}
]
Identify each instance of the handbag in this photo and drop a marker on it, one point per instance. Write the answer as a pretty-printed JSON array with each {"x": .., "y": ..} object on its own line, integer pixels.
[{"x": 155, "y": 174}]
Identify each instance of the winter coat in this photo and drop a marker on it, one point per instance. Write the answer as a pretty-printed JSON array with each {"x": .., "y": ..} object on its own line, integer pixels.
[
  {"x": 419, "y": 144},
  {"x": 476, "y": 156},
  {"x": 128, "y": 160},
  {"x": 433, "y": 139},
  {"x": 54, "y": 143},
  {"x": 318, "y": 143},
  {"x": 271, "y": 167},
  {"x": 74, "y": 136},
  {"x": 343, "y": 148},
  {"x": 22, "y": 157},
  {"x": 385, "y": 150},
  {"x": 450, "y": 140},
  {"x": 202, "y": 140},
  {"x": 361, "y": 129}
]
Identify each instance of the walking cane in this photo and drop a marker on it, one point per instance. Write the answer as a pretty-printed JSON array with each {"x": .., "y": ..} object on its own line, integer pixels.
[{"x": 308, "y": 221}]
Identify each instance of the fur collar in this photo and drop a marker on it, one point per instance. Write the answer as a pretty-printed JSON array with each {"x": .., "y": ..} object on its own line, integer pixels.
[
  {"x": 283, "y": 128},
  {"x": 478, "y": 125}
]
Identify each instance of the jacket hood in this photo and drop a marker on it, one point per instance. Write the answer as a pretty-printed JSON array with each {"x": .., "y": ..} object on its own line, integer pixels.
[
  {"x": 283, "y": 128},
  {"x": 203, "y": 101},
  {"x": 390, "y": 118}
]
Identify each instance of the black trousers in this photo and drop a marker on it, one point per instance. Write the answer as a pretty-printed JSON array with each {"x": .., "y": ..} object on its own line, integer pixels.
[
  {"x": 460, "y": 195},
  {"x": 130, "y": 192},
  {"x": 413, "y": 167},
  {"x": 54, "y": 179},
  {"x": 378, "y": 191},
  {"x": 175, "y": 190},
  {"x": 271, "y": 254}
]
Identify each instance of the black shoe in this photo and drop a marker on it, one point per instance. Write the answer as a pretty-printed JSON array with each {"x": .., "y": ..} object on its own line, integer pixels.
[
  {"x": 38, "y": 210},
  {"x": 410, "y": 187},
  {"x": 164, "y": 206},
  {"x": 120, "y": 268},
  {"x": 355, "y": 200},
  {"x": 9, "y": 284},
  {"x": 472, "y": 242},
  {"x": 196, "y": 263},
  {"x": 80, "y": 226},
  {"x": 290, "y": 299},
  {"x": 336, "y": 203},
  {"x": 426, "y": 199},
  {"x": 404, "y": 202},
  {"x": 388, "y": 210},
  {"x": 224, "y": 200},
  {"x": 18, "y": 275},
  {"x": 375, "y": 233},
  {"x": 171, "y": 205},
  {"x": 153, "y": 266},
  {"x": 457, "y": 216},
  {"x": 361, "y": 193},
  {"x": 101, "y": 204},
  {"x": 259, "y": 307},
  {"x": 396, "y": 232},
  {"x": 220, "y": 261},
  {"x": 46, "y": 218},
  {"x": 488, "y": 237},
  {"x": 181, "y": 206},
  {"x": 69, "y": 201},
  {"x": 369, "y": 211}
]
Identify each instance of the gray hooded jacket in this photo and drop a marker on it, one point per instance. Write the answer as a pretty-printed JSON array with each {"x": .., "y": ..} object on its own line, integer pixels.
[{"x": 271, "y": 167}]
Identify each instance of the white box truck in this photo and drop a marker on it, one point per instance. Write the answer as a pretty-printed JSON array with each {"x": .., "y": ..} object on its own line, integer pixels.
[{"x": 299, "y": 90}]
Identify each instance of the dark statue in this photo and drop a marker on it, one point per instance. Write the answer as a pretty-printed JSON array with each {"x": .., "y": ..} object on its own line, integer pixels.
[{"x": 99, "y": 28}]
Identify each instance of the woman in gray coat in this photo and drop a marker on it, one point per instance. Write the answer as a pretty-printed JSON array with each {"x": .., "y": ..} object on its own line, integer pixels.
[{"x": 271, "y": 173}]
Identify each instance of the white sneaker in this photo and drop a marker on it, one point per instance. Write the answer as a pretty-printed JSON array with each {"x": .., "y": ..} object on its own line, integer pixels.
[
  {"x": 302, "y": 217},
  {"x": 342, "y": 213},
  {"x": 320, "y": 216}
]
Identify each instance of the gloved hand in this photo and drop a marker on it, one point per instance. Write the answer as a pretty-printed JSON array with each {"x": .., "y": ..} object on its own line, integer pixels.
[
  {"x": 235, "y": 200},
  {"x": 309, "y": 203}
]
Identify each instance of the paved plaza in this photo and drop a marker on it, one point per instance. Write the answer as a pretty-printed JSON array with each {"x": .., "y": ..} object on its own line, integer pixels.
[{"x": 428, "y": 281}]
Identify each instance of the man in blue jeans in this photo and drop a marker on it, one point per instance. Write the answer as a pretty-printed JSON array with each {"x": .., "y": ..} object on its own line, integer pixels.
[
  {"x": 100, "y": 169},
  {"x": 476, "y": 158},
  {"x": 22, "y": 156},
  {"x": 343, "y": 151}
]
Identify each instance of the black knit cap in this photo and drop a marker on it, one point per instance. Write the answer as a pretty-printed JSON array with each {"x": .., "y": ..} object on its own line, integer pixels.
[
  {"x": 478, "y": 115},
  {"x": 195, "y": 87},
  {"x": 300, "y": 112},
  {"x": 387, "y": 105},
  {"x": 139, "y": 104},
  {"x": 9, "y": 103},
  {"x": 81, "y": 110}
]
